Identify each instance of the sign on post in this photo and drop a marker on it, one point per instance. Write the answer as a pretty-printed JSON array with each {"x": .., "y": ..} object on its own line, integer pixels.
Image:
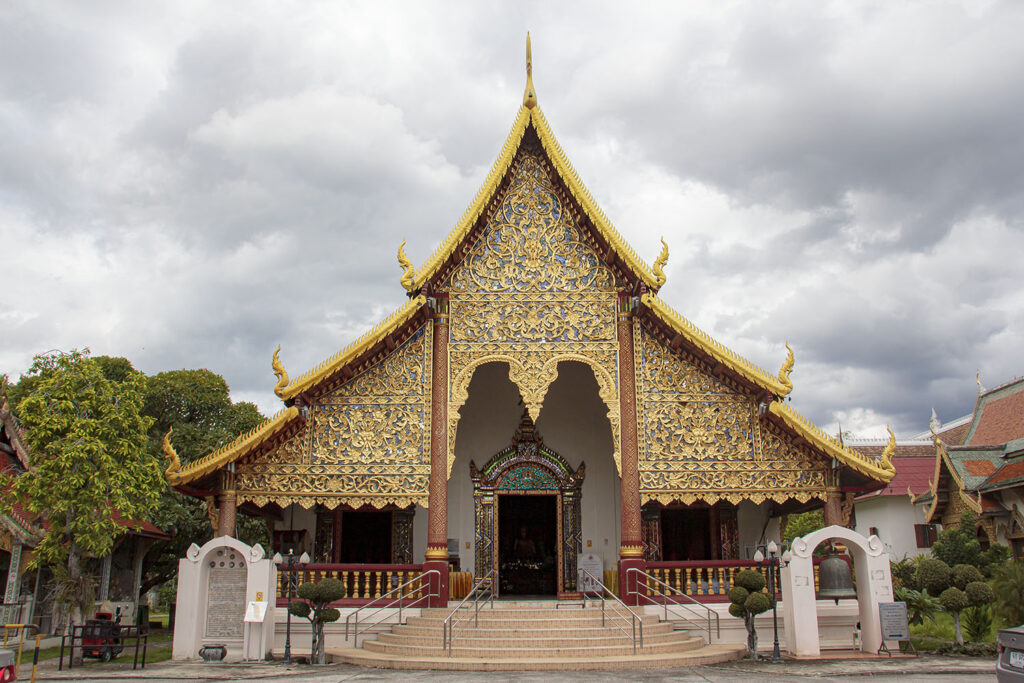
[
  {"x": 595, "y": 568},
  {"x": 895, "y": 625}
]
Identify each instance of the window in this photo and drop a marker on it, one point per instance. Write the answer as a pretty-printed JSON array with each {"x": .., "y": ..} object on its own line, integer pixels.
[{"x": 926, "y": 534}]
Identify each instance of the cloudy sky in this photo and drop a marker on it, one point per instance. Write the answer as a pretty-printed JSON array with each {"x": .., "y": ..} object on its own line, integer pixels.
[{"x": 189, "y": 184}]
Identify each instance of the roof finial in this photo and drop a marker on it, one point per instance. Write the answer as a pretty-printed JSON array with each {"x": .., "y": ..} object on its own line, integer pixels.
[
  {"x": 787, "y": 368},
  {"x": 279, "y": 372},
  {"x": 659, "y": 265},
  {"x": 530, "y": 96},
  {"x": 890, "y": 450},
  {"x": 977, "y": 378}
]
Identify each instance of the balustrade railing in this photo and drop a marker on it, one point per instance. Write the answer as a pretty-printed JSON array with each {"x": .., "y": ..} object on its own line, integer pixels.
[
  {"x": 361, "y": 582},
  {"x": 706, "y": 580}
]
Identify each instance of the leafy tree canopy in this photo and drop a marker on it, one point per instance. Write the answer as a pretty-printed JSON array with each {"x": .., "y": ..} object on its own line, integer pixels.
[{"x": 87, "y": 435}]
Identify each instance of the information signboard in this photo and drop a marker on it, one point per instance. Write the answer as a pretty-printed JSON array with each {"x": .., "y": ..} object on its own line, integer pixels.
[
  {"x": 894, "y": 622},
  {"x": 595, "y": 568}
]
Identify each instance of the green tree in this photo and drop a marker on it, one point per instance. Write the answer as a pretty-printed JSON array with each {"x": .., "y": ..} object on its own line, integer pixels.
[
  {"x": 747, "y": 601},
  {"x": 197, "y": 405},
  {"x": 959, "y": 545},
  {"x": 1008, "y": 586},
  {"x": 803, "y": 524},
  {"x": 314, "y": 604},
  {"x": 87, "y": 436}
]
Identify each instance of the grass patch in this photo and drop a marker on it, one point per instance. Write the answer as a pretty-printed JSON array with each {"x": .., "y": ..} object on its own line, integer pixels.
[
  {"x": 158, "y": 640},
  {"x": 931, "y": 637}
]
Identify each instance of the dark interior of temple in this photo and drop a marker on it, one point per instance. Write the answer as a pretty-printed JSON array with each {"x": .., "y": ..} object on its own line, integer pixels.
[
  {"x": 528, "y": 544},
  {"x": 366, "y": 537},
  {"x": 685, "y": 534}
]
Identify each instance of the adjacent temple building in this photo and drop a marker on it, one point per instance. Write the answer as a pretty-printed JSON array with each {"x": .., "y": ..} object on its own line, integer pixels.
[{"x": 533, "y": 402}]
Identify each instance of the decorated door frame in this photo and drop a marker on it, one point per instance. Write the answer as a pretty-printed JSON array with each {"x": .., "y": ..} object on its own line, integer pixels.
[{"x": 527, "y": 467}]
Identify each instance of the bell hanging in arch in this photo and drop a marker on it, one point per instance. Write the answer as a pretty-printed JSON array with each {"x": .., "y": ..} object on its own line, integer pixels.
[{"x": 834, "y": 579}]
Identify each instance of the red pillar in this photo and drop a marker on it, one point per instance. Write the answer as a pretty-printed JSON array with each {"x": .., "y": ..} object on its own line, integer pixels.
[
  {"x": 631, "y": 551},
  {"x": 437, "y": 505}
]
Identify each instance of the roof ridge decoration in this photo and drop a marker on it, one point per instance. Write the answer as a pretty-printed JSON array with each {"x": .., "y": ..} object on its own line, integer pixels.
[
  {"x": 659, "y": 265},
  {"x": 530, "y": 93},
  {"x": 786, "y": 369},
  {"x": 713, "y": 348},
  {"x": 408, "y": 271},
  {"x": 173, "y": 462},
  {"x": 230, "y": 451},
  {"x": 280, "y": 373},
  {"x": 890, "y": 449},
  {"x": 814, "y": 434}
]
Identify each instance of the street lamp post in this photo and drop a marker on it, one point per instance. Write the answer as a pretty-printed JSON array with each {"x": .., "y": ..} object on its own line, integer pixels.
[
  {"x": 292, "y": 585},
  {"x": 773, "y": 563}
]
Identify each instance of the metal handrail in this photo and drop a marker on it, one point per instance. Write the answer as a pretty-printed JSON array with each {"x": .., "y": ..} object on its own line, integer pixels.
[
  {"x": 666, "y": 597},
  {"x": 448, "y": 631},
  {"x": 390, "y": 605},
  {"x": 636, "y": 622}
]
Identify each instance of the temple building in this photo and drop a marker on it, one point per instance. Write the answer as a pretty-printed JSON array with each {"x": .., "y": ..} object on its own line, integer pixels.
[
  {"x": 533, "y": 401},
  {"x": 979, "y": 466}
]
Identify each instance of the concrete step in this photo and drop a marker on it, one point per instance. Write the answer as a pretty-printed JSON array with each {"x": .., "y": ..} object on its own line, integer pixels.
[
  {"x": 494, "y": 620},
  {"x": 709, "y": 654},
  {"x": 474, "y": 638},
  {"x": 527, "y": 650},
  {"x": 554, "y": 629}
]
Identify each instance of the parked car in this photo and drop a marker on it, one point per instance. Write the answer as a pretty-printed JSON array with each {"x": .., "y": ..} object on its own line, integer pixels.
[
  {"x": 6, "y": 666},
  {"x": 1010, "y": 646}
]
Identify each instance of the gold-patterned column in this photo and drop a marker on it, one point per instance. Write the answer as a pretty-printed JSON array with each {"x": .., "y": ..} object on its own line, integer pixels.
[
  {"x": 227, "y": 504},
  {"x": 631, "y": 549},
  {"x": 437, "y": 505},
  {"x": 834, "y": 509}
]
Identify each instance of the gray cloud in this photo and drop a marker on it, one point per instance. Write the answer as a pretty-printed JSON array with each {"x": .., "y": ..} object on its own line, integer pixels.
[{"x": 189, "y": 185}]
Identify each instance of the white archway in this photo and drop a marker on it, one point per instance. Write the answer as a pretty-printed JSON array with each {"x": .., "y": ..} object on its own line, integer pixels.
[{"x": 874, "y": 585}]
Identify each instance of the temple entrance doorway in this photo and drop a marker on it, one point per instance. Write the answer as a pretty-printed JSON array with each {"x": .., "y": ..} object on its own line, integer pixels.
[
  {"x": 366, "y": 537},
  {"x": 528, "y": 544},
  {"x": 686, "y": 534}
]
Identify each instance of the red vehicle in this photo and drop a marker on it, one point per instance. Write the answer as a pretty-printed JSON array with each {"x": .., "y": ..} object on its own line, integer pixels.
[
  {"x": 6, "y": 666},
  {"x": 101, "y": 637}
]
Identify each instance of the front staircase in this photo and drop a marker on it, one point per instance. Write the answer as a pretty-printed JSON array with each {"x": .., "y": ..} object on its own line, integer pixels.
[{"x": 536, "y": 636}]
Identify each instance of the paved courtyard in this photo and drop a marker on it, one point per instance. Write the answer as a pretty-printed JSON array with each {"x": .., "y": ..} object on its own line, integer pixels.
[{"x": 927, "y": 668}]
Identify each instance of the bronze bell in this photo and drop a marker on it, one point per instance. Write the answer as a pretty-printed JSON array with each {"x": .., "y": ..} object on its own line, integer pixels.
[{"x": 834, "y": 578}]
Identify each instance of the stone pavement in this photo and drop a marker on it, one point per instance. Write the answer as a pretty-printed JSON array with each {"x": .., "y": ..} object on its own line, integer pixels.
[{"x": 925, "y": 668}]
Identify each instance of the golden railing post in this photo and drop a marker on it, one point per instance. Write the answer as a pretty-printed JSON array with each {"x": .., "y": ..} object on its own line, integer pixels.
[
  {"x": 377, "y": 592},
  {"x": 344, "y": 583},
  {"x": 687, "y": 586}
]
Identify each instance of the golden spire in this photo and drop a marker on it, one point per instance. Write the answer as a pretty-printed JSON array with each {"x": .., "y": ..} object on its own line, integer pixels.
[
  {"x": 530, "y": 96},
  {"x": 890, "y": 450},
  {"x": 279, "y": 372},
  {"x": 787, "y": 368},
  {"x": 977, "y": 378},
  {"x": 408, "y": 272},
  {"x": 659, "y": 265},
  {"x": 173, "y": 463}
]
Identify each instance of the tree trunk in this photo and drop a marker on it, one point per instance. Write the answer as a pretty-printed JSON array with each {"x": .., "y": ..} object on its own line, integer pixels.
[
  {"x": 319, "y": 656},
  {"x": 959, "y": 633},
  {"x": 751, "y": 636},
  {"x": 75, "y": 609}
]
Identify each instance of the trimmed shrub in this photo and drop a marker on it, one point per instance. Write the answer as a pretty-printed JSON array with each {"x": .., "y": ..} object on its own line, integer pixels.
[
  {"x": 964, "y": 574},
  {"x": 933, "y": 575}
]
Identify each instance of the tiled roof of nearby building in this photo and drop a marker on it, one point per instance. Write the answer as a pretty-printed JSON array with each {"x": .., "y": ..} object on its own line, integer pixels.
[
  {"x": 974, "y": 464},
  {"x": 915, "y": 466},
  {"x": 999, "y": 415},
  {"x": 951, "y": 433}
]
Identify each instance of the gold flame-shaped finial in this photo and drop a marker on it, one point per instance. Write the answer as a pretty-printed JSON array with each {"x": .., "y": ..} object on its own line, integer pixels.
[
  {"x": 977, "y": 378},
  {"x": 786, "y": 369},
  {"x": 530, "y": 96},
  {"x": 408, "y": 272},
  {"x": 173, "y": 463},
  {"x": 659, "y": 265},
  {"x": 279, "y": 372},
  {"x": 889, "y": 452}
]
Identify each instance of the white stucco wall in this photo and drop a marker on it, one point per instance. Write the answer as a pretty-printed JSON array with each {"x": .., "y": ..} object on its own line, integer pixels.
[
  {"x": 894, "y": 517},
  {"x": 573, "y": 422}
]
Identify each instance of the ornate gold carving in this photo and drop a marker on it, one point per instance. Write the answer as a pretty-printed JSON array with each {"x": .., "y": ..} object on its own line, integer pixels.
[
  {"x": 173, "y": 463},
  {"x": 529, "y": 95},
  {"x": 659, "y": 265},
  {"x": 279, "y": 372},
  {"x": 532, "y": 292},
  {"x": 213, "y": 513},
  {"x": 786, "y": 369},
  {"x": 890, "y": 450},
  {"x": 701, "y": 440},
  {"x": 408, "y": 272},
  {"x": 436, "y": 554},
  {"x": 631, "y": 551},
  {"x": 367, "y": 442}
]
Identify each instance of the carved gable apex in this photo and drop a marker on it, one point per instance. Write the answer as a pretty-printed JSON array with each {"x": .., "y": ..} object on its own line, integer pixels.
[{"x": 534, "y": 240}]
